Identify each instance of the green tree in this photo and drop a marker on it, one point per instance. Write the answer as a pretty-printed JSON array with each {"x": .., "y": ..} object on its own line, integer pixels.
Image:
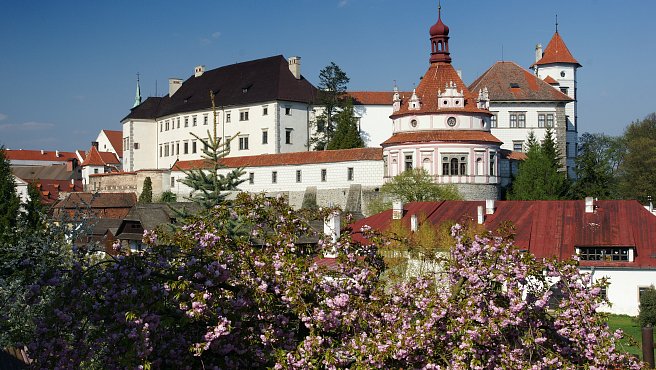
[
  {"x": 531, "y": 141},
  {"x": 638, "y": 167},
  {"x": 550, "y": 149},
  {"x": 10, "y": 204},
  {"x": 347, "y": 134},
  {"x": 33, "y": 215},
  {"x": 416, "y": 185},
  {"x": 146, "y": 195},
  {"x": 537, "y": 178},
  {"x": 596, "y": 167},
  {"x": 331, "y": 96},
  {"x": 168, "y": 197},
  {"x": 208, "y": 186},
  {"x": 647, "y": 314}
]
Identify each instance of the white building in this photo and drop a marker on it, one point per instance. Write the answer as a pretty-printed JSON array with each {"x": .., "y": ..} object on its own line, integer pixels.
[
  {"x": 110, "y": 141},
  {"x": 265, "y": 105},
  {"x": 444, "y": 128}
]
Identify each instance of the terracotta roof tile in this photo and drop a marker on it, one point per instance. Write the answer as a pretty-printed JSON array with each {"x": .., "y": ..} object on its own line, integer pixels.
[
  {"x": 96, "y": 158},
  {"x": 547, "y": 228},
  {"x": 517, "y": 156},
  {"x": 442, "y": 135},
  {"x": 437, "y": 77},
  {"x": 116, "y": 139},
  {"x": 38, "y": 155},
  {"x": 50, "y": 189},
  {"x": 375, "y": 97},
  {"x": 556, "y": 52},
  {"x": 507, "y": 81},
  {"x": 551, "y": 81},
  {"x": 290, "y": 159}
]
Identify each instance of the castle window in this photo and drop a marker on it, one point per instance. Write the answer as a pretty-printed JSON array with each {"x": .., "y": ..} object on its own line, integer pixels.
[
  {"x": 274, "y": 177},
  {"x": 243, "y": 143},
  {"x": 288, "y": 136},
  {"x": 324, "y": 175},
  {"x": 408, "y": 162},
  {"x": 251, "y": 178},
  {"x": 492, "y": 164},
  {"x": 227, "y": 117},
  {"x": 349, "y": 174},
  {"x": 454, "y": 165},
  {"x": 550, "y": 120},
  {"x": 288, "y": 111},
  {"x": 205, "y": 119},
  {"x": 243, "y": 115},
  {"x": 611, "y": 254},
  {"x": 186, "y": 120},
  {"x": 194, "y": 121},
  {"x": 265, "y": 136},
  {"x": 493, "y": 121},
  {"x": 298, "y": 175},
  {"x": 265, "y": 110},
  {"x": 564, "y": 90},
  {"x": 518, "y": 145},
  {"x": 517, "y": 119}
]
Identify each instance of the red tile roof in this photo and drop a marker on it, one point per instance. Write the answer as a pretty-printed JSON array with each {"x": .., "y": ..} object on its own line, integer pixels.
[
  {"x": 556, "y": 52},
  {"x": 518, "y": 156},
  {"x": 375, "y": 97},
  {"x": 437, "y": 77},
  {"x": 507, "y": 81},
  {"x": 290, "y": 159},
  {"x": 38, "y": 155},
  {"x": 116, "y": 139},
  {"x": 50, "y": 189},
  {"x": 467, "y": 136},
  {"x": 547, "y": 228},
  {"x": 96, "y": 158},
  {"x": 551, "y": 81}
]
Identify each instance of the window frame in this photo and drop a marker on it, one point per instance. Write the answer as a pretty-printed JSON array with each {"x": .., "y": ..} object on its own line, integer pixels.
[
  {"x": 243, "y": 142},
  {"x": 350, "y": 173},
  {"x": 299, "y": 176}
]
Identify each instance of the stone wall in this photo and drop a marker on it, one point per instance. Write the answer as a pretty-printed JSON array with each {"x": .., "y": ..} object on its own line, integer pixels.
[{"x": 478, "y": 191}]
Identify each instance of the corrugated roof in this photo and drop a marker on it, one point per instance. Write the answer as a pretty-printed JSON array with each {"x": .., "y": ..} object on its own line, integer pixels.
[
  {"x": 507, "y": 81},
  {"x": 437, "y": 77},
  {"x": 548, "y": 228},
  {"x": 290, "y": 159},
  {"x": 556, "y": 52},
  {"x": 246, "y": 83},
  {"x": 468, "y": 136},
  {"x": 116, "y": 139},
  {"x": 38, "y": 155}
]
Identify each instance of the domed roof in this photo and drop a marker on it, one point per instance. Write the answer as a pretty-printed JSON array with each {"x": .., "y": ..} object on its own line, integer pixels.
[{"x": 439, "y": 28}]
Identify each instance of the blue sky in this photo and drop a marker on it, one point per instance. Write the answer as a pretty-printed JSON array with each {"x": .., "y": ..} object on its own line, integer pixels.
[{"x": 68, "y": 68}]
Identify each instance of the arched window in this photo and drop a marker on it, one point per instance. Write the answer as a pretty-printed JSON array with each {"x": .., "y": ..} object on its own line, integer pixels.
[
  {"x": 454, "y": 166},
  {"x": 479, "y": 166},
  {"x": 426, "y": 164}
]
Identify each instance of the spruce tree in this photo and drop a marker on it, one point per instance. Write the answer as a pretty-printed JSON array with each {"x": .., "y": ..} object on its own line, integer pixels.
[
  {"x": 208, "y": 185},
  {"x": 537, "y": 178},
  {"x": 331, "y": 96},
  {"x": 146, "y": 195},
  {"x": 10, "y": 204},
  {"x": 550, "y": 149}
]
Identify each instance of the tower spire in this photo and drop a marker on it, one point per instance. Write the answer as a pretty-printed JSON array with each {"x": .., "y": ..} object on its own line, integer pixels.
[
  {"x": 137, "y": 96},
  {"x": 439, "y": 37},
  {"x": 556, "y": 23}
]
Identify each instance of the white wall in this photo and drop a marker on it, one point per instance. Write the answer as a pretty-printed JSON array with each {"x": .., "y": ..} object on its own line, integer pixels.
[
  {"x": 144, "y": 134},
  {"x": 104, "y": 145},
  {"x": 624, "y": 287},
  {"x": 365, "y": 173},
  {"x": 375, "y": 123}
]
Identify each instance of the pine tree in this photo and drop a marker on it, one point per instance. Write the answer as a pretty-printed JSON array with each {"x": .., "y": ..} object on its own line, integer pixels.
[
  {"x": 10, "y": 202},
  {"x": 537, "y": 178},
  {"x": 550, "y": 149},
  {"x": 531, "y": 141},
  {"x": 146, "y": 195},
  {"x": 347, "y": 134},
  {"x": 208, "y": 185}
]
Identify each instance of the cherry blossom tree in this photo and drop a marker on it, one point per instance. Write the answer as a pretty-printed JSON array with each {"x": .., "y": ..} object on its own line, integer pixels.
[{"x": 211, "y": 295}]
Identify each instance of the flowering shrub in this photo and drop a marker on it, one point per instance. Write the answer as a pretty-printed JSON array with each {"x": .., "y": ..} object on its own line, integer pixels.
[{"x": 234, "y": 289}]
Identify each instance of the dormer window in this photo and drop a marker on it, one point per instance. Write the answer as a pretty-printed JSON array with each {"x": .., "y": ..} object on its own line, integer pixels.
[{"x": 606, "y": 254}]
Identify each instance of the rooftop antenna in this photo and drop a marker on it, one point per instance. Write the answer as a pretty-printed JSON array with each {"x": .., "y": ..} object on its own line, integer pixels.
[{"x": 556, "y": 23}]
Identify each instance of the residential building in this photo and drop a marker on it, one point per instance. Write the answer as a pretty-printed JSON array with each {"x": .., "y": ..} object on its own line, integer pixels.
[
  {"x": 261, "y": 106},
  {"x": 111, "y": 141},
  {"x": 612, "y": 238},
  {"x": 98, "y": 162}
]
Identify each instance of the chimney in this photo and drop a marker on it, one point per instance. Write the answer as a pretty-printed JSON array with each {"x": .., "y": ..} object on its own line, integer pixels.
[
  {"x": 42, "y": 152},
  {"x": 589, "y": 205},
  {"x": 414, "y": 223},
  {"x": 199, "y": 70},
  {"x": 480, "y": 215},
  {"x": 459, "y": 72},
  {"x": 295, "y": 66},
  {"x": 331, "y": 226},
  {"x": 538, "y": 52},
  {"x": 69, "y": 165},
  {"x": 174, "y": 85},
  {"x": 94, "y": 144},
  {"x": 57, "y": 153},
  {"x": 489, "y": 206},
  {"x": 397, "y": 210}
]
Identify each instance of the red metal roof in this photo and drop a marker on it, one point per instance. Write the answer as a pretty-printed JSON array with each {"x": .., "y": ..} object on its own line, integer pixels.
[
  {"x": 96, "y": 158},
  {"x": 547, "y": 228},
  {"x": 437, "y": 77},
  {"x": 442, "y": 135},
  {"x": 116, "y": 139},
  {"x": 38, "y": 155},
  {"x": 556, "y": 52},
  {"x": 289, "y": 159}
]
